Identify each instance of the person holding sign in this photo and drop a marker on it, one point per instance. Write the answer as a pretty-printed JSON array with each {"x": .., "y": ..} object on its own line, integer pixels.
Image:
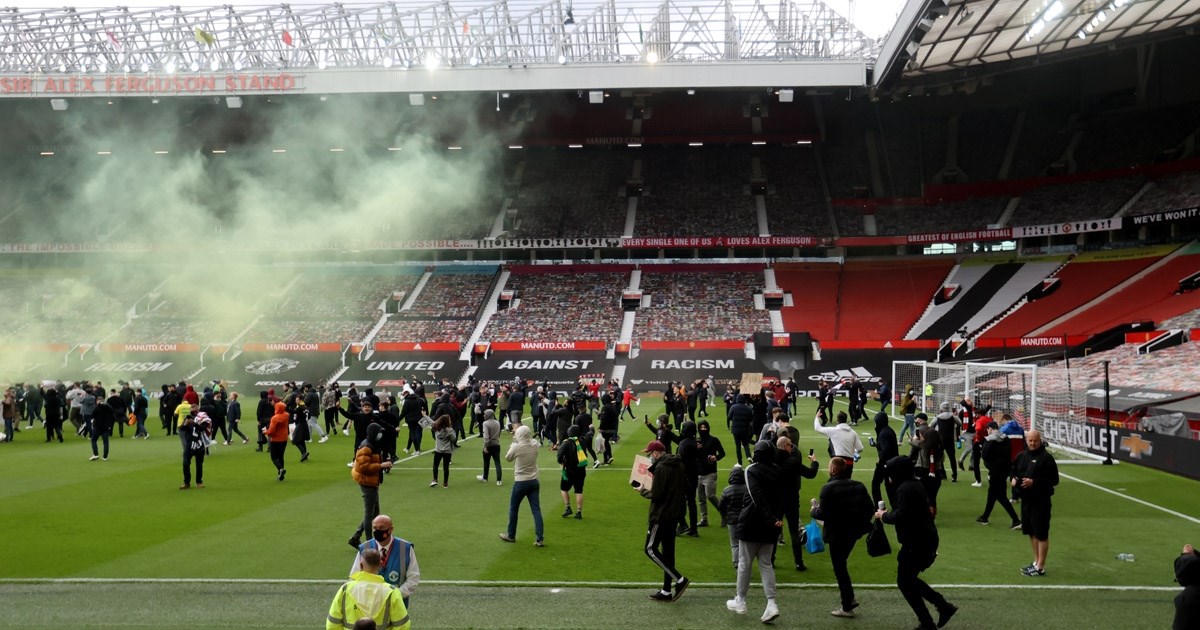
[{"x": 666, "y": 508}]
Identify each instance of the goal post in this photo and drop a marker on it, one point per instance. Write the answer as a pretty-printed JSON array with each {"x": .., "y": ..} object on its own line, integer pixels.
[{"x": 1050, "y": 398}]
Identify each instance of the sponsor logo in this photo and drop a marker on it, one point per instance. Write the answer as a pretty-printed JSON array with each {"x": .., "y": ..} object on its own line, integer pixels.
[
  {"x": 557, "y": 364},
  {"x": 151, "y": 347},
  {"x": 692, "y": 364},
  {"x": 1041, "y": 341},
  {"x": 269, "y": 383},
  {"x": 863, "y": 374},
  {"x": 547, "y": 345},
  {"x": 1136, "y": 446},
  {"x": 272, "y": 366},
  {"x": 636, "y": 381},
  {"x": 293, "y": 347},
  {"x": 128, "y": 367},
  {"x": 404, "y": 366}
]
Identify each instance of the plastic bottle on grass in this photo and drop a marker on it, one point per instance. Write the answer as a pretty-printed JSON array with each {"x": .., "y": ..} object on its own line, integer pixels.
[{"x": 1127, "y": 557}]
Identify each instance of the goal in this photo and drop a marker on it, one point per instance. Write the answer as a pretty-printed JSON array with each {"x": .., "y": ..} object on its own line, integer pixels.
[{"x": 1051, "y": 398}]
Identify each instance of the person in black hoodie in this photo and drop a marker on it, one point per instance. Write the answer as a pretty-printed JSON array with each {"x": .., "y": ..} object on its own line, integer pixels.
[
  {"x": 609, "y": 420},
  {"x": 887, "y": 447},
  {"x": 166, "y": 408},
  {"x": 689, "y": 454},
  {"x": 997, "y": 457},
  {"x": 666, "y": 496},
  {"x": 662, "y": 432},
  {"x": 741, "y": 417},
  {"x": 263, "y": 414},
  {"x": 711, "y": 452},
  {"x": 758, "y": 528},
  {"x": 846, "y": 508},
  {"x": 413, "y": 409},
  {"x": 733, "y": 498},
  {"x": 918, "y": 537},
  {"x": 361, "y": 421},
  {"x": 1187, "y": 602},
  {"x": 103, "y": 419},
  {"x": 791, "y": 469},
  {"x": 54, "y": 419}
]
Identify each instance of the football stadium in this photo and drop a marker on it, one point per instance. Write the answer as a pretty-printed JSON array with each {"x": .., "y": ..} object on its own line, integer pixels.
[{"x": 618, "y": 314}]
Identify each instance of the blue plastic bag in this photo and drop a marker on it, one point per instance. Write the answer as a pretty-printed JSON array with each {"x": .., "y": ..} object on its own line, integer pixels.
[{"x": 815, "y": 543}]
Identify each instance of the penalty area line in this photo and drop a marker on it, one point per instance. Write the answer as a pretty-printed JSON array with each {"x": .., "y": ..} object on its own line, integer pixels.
[
  {"x": 1040, "y": 586},
  {"x": 1134, "y": 499}
]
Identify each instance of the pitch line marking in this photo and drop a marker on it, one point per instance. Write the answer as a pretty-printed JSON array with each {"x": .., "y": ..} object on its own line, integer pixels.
[
  {"x": 1134, "y": 499},
  {"x": 1041, "y": 586}
]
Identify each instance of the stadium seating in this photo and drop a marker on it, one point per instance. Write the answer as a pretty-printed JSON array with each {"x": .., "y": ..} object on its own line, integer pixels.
[
  {"x": 572, "y": 192},
  {"x": 339, "y": 296},
  {"x": 1172, "y": 369},
  {"x": 696, "y": 191},
  {"x": 1128, "y": 139},
  {"x": 1083, "y": 279},
  {"x": 1152, "y": 297},
  {"x": 969, "y": 214},
  {"x": 1172, "y": 192},
  {"x": 986, "y": 289},
  {"x": 562, "y": 306},
  {"x": 309, "y": 330},
  {"x": 1186, "y": 321},
  {"x": 456, "y": 295},
  {"x": 1043, "y": 139},
  {"x": 983, "y": 136},
  {"x": 880, "y": 299},
  {"x": 699, "y": 306},
  {"x": 796, "y": 204},
  {"x": 426, "y": 330},
  {"x": 1057, "y": 203},
  {"x": 814, "y": 289}
]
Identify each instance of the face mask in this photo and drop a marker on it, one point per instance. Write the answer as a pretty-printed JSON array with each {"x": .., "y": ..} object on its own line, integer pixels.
[{"x": 380, "y": 535}]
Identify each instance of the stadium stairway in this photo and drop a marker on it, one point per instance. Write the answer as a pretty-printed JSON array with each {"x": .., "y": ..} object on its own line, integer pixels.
[
  {"x": 489, "y": 309},
  {"x": 1026, "y": 279},
  {"x": 412, "y": 297},
  {"x": 978, "y": 284}
]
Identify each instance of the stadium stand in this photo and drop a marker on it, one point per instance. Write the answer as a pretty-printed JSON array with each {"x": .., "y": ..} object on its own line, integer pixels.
[
  {"x": 1112, "y": 141},
  {"x": 986, "y": 289},
  {"x": 1173, "y": 369},
  {"x": 450, "y": 294},
  {"x": 426, "y": 330},
  {"x": 880, "y": 299},
  {"x": 696, "y": 191},
  {"x": 1154, "y": 296},
  {"x": 1171, "y": 192},
  {"x": 1043, "y": 139},
  {"x": 1080, "y": 281},
  {"x": 795, "y": 203},
  {"x": 309, "y": 330},
  {"x": 1186, "y": 321},
  {"x": 338, "y": 296},
  {"x": 1056, "y": 203},
  {"x": 900, "y": 141},
  {"x": 983, "y": 136},
  {"x": 814, "y": 289},
  {"x": 849, "y": 220},
  {"x": 572, "y": 192},
  {"x": 699, "y": 305},
  {"x": 969, "y": 214},
  {"x": 569, "y": 305}
]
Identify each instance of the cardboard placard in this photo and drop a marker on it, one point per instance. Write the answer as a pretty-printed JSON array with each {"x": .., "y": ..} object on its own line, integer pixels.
[
  {"x": 751, "y": 383},
  {"x": 640, "y": 473}
]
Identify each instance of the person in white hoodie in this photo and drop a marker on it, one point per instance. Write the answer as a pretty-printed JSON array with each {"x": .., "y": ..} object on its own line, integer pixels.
[
  {"x": 524, "y": 453},
  {"x": 843, "y": 440}
]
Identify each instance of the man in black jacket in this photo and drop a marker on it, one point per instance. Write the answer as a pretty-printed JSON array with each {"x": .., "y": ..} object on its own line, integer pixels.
[
  {"x": 361, "y": 421},
  {"x": 711, "y": 452},
  {"x": 741, "y": 416},
  {"x": 758, "y": 528},
  {"x": 846, "y": 508},
  {"x": 791, "y": 469},
  {"x": 887, "y": 447},
  {"x": 609, "y": 420},
  {"x": 103, "y": 419},
  {"x": 996, "y": 456},
  {"x": 1187, "y": 602},
  {"x": 689, "y": 453},
  {"x": 918, "y": 537},
  {"x": 666, "y": 496},
  {"x": 263, "y": 414},
  {"x": 1035, "y": 473}
]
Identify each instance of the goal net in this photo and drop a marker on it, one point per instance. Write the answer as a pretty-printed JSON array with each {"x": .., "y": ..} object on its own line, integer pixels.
[{"x": 1051, "y": 398}]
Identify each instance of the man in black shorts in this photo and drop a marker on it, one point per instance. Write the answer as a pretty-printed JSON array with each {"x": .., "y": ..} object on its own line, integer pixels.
[{"x": 1035, "y": 473}]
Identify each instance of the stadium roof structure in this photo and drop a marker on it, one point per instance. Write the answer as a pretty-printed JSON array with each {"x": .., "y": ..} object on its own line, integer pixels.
[
  {"x": 975, "y": 37},
  {"x": 437, "y": 46}
]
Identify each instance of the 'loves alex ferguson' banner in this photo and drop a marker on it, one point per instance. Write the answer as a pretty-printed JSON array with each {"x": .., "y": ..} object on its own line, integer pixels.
[
  {"x": 510, "y": 346},
  {"x": 416, "y": 346},
  {"x": 292, "y": 347}
]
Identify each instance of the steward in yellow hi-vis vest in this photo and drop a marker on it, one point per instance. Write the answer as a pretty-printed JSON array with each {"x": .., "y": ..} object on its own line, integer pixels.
[{"x": 368, "y": 595}]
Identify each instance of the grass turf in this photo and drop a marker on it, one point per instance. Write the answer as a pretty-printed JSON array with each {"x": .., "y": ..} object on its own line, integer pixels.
[{"x": 124, "y": 518}]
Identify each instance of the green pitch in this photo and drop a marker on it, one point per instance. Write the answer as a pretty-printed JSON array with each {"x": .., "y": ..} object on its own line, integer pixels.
[{"x": 67, "y": 518}]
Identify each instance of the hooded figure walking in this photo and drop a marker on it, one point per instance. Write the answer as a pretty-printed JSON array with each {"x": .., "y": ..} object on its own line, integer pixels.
[{"x": 368, "y": 474}]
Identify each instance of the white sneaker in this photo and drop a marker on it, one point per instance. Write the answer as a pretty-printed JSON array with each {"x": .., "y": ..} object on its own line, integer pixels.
[
  {"x": 976, "y": 485},
  {"x": 345, "y": 431},
  {"x": 321, "y": 441},
  {"x": 349, "y": 464},
  {"x": 480, "y": 478},
  {"x": 406, "y": 451},
  {"x": 499, "y": 483},
  {"x": 93, "y": 458},
  {"x": 771, "y": 613},
  {"x": 736, "y": 605},
  {"x": 839, "y": 612}
]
